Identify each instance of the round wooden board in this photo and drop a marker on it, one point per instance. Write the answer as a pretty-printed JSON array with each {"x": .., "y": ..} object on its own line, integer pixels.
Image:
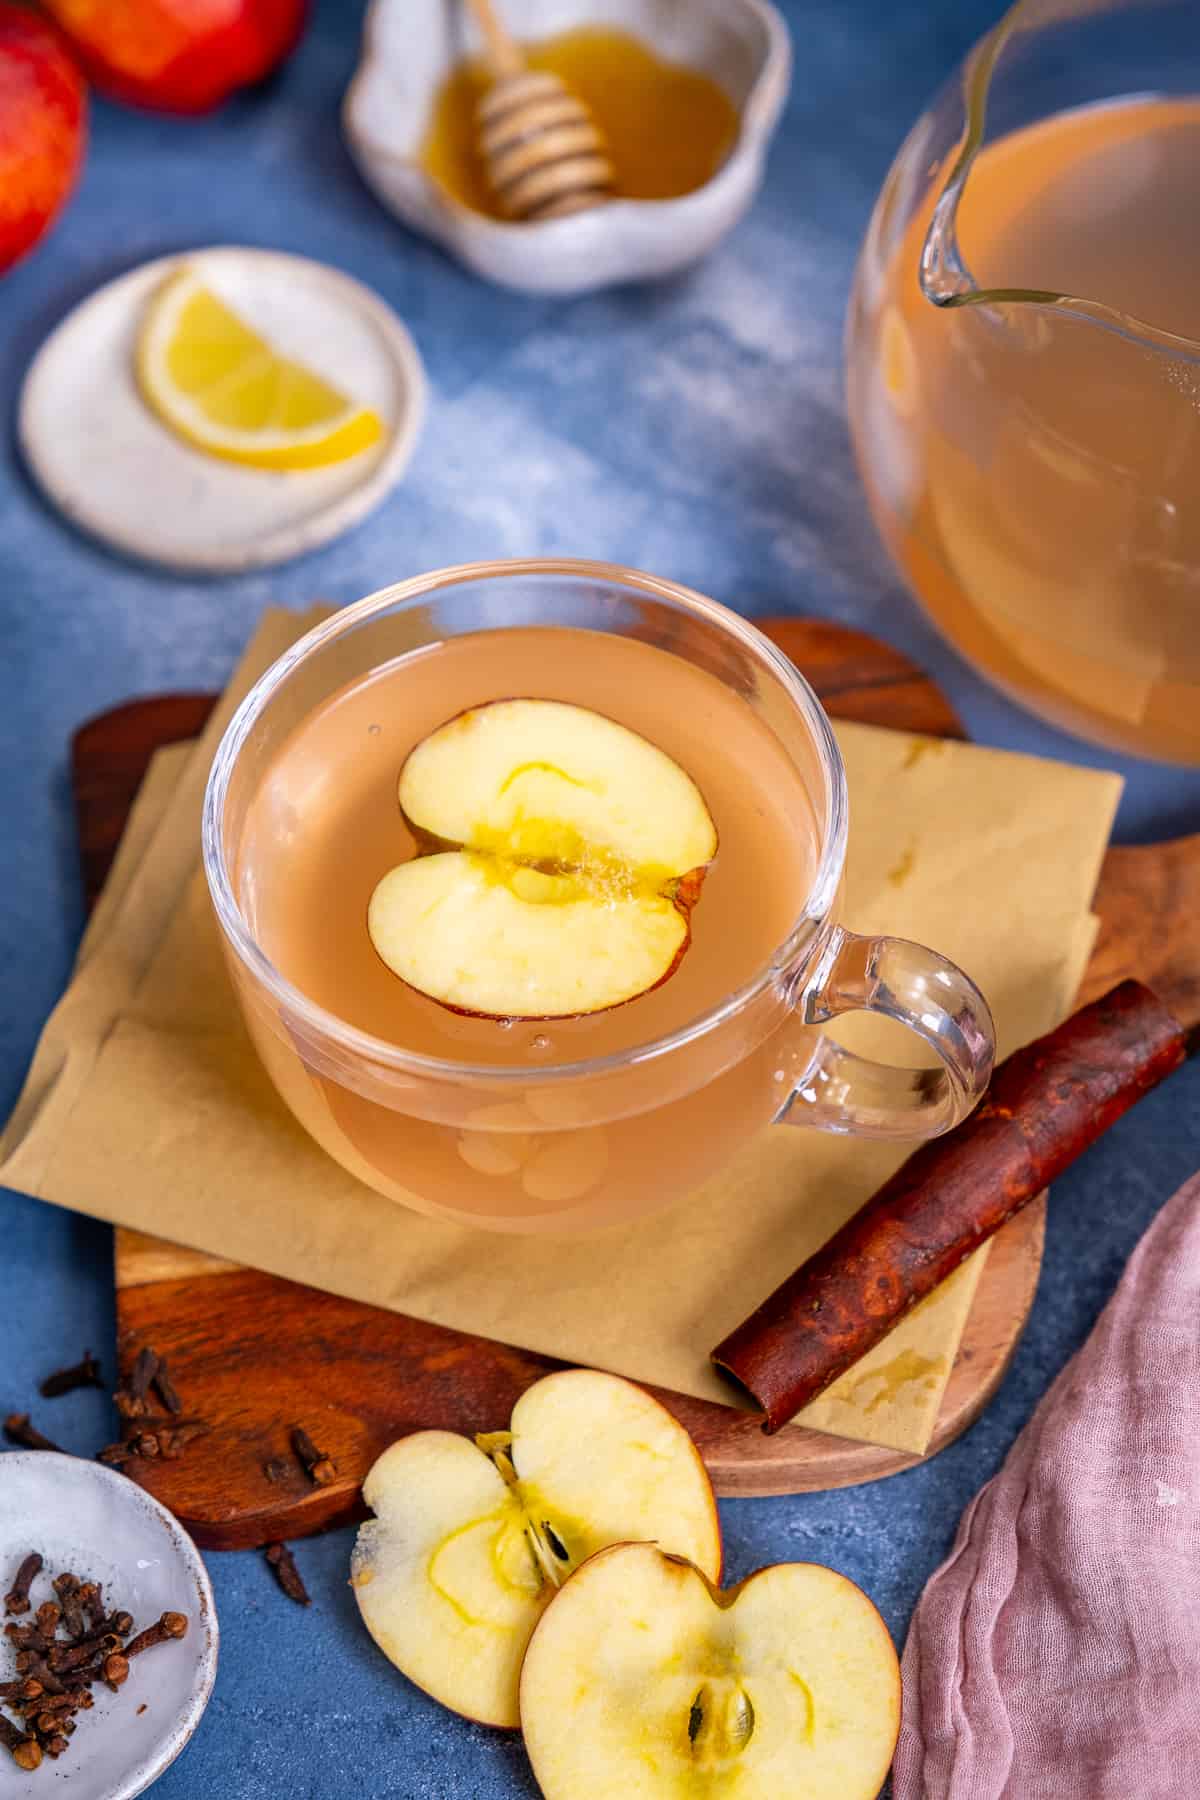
[{"x": 254, "y": 1354}]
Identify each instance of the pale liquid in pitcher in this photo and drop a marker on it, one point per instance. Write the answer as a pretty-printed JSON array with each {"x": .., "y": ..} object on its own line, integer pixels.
[
  {"x": 1037, "y": 477},
  {"x": 325, "y": 826}
]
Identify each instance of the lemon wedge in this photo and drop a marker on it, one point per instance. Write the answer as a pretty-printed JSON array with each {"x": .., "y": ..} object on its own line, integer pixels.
[{"x": 214, "y": 381}]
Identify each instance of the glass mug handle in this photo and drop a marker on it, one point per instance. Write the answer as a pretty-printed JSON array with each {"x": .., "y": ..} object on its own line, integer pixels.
[{"x": 916, "y": 987}]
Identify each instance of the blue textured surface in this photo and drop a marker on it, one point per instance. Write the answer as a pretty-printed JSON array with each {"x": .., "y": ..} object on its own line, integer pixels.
[{"x": 696, "y": 430}]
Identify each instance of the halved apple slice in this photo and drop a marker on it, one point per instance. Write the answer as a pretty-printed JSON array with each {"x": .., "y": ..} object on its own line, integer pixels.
[
  {"x": 471, "y": 1540},
  {"x": 566, "y": 854},
  {"x": 642, "y": 1682}
]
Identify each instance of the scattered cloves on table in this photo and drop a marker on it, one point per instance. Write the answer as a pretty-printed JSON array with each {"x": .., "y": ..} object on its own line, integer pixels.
[
  {"x": 145, "y": 1433},
  {"x": 287, "y": 1574},
  {"x": 18, "y": 1430},
  {"x": 84, "y": 1373},
  {"x": 55, "y": 1674},
  {"x": 319, "y": 1467}
]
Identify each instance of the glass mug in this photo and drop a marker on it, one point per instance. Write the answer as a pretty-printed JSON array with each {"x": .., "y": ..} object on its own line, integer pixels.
[
  {"x": 1023, "y": 365},
  {"x": 633, "y": 1130}
]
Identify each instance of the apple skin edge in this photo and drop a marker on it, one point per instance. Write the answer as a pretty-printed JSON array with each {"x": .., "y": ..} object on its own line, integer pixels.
[
  {"x": 205, "y": 64},
  {"x": 693, "y": 881},
  {"x": 43, "y": 129}
]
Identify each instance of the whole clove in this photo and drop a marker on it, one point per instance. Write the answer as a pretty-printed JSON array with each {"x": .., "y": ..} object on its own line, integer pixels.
[
  {"x": 66, "y": 1586},
  {"x": 49, "y": 1613},
  {"x": 25, "y": 1750},
  {"x": 77, "y": 1656},
  {"x": 171, "y": 1625},
  {"x": 287, "y": 1574},
  {"x": 145, "y": 1368},
  {"x": 131, "y": 1396},
  {"x": 92, "y": 1601},
  {"x": 84, "y": 1373},
  {"x": 320, "y": 1468},
  {"x": 166, "y": 1389},
  {"x": 18, "y": 1430},
  {"x": 120, "y": 1622},
  {"x": 17, "y": 1598}
]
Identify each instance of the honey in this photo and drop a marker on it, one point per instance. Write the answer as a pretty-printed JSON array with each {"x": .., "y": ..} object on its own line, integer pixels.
[{"x": 668, "y": 128}]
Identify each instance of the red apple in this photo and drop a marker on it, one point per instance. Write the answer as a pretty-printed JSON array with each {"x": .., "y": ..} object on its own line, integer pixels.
[
  {"x": 180, "y": 56},
  {"x": 43, "y": 129}
]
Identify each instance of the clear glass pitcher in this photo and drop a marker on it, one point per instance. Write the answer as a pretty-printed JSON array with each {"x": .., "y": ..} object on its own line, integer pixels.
[{"x": 1023, "y": 350}]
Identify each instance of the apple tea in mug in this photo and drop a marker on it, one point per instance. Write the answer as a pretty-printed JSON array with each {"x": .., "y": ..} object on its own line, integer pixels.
[{"x": 524, "y": 848}]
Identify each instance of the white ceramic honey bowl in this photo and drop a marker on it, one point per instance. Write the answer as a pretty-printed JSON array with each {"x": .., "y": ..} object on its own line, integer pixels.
[{"x": 410, "y": 46}]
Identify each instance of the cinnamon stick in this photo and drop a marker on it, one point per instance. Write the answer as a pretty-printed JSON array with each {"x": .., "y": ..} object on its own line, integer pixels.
[{"x": 1046, "y": 1104}]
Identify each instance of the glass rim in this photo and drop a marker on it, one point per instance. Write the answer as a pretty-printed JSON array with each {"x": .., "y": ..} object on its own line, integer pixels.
[
  {"x": 328, "y": 1026},
  {"x": 945, "y": 276}
]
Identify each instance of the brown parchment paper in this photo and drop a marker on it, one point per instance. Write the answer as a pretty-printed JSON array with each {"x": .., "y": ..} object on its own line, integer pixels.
[{"x": 145, "y": 1103}]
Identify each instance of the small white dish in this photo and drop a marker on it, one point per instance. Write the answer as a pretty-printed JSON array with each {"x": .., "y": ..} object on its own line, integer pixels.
[
  {"x": 118, "y": 473},
  {"x": 410, "y": 46},
  {"x": 101, "y": 1526}
]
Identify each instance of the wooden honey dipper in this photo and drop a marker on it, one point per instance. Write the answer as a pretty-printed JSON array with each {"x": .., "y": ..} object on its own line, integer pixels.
[{"x": 541, "y": 148}]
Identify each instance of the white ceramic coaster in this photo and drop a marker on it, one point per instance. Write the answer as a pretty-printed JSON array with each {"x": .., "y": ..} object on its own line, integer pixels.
[
  {"x": 98, "y": 1524},
  {"x": 115, "y": 471}
]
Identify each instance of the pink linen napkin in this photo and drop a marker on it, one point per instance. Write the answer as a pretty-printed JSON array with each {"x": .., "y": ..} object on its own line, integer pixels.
[{"x": 1056, "y": 1654}]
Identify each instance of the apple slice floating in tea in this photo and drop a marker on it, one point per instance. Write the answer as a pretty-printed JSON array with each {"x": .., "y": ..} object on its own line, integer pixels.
[
  {"x": 565, "y": 854},
  {"x": 472, "y": 1539},
  {"x": 643, "y": 1682}
]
